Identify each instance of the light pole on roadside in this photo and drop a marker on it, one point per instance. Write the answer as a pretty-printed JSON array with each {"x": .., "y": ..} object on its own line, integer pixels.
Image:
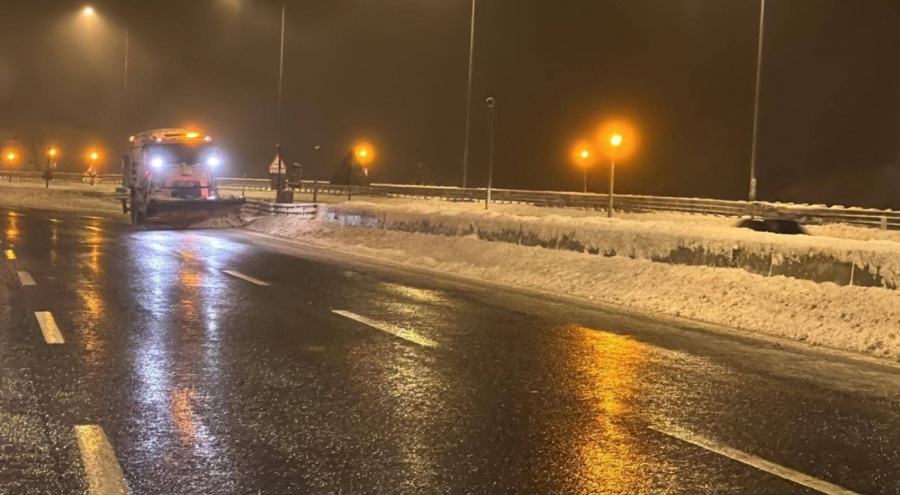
[
  {"x": 492, "y": 117},
  {"x": 585, "y": 156},
  {"x": 465, "y": 177},
  {"x": 10, "y": 161},
  {"x": 759, "y": 63},
  {"x": 89, "y": 11},
  {"x": 51, "y": 157},
  {"x": 615, "y": 141},
  {"x": 278, "y": 193}
]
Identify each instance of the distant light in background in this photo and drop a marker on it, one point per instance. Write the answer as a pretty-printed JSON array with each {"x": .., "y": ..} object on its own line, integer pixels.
[
  {"x": 53, "y": 152},
  {"x": 616, "y": 140},
  {"x": 583, "y": 156},
  {"x": 88, "y": 11},
  {"x": 365, "y": 153}
]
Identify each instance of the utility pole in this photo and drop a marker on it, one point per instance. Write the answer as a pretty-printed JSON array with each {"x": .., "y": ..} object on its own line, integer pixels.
[{"x": 492, "y": 117}]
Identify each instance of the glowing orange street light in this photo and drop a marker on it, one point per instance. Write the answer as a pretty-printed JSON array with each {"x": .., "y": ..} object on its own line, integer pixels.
[
  {"x": 53, "y": 152},
  {"x": 583, "y": 156},
  {"x": 616, "y": 141},
  {"x": 364, "y": 154},
  {"x": 95, "y": 156},
  {"x": 10, "y": 159}
]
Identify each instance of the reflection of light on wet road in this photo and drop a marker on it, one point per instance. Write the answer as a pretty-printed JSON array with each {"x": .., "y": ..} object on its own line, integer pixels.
[
  {"x": 180, "y": 342},
  {"x": 12, "y": 229},
  {"x": 415, "y": 293},
  {"x": 609, "y": 369}
]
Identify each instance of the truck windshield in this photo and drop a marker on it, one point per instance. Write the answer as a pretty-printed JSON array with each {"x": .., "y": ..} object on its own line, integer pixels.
[{"x": 178, "y": 154}]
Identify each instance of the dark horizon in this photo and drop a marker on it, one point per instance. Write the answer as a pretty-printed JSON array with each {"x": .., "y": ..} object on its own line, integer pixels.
[{"x": 395, "y": 74}]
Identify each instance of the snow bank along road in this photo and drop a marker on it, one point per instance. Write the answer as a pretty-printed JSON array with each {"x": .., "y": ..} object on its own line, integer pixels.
[
  {"x": 228, "y": 362},
  {"x": 857, "y": 319}
]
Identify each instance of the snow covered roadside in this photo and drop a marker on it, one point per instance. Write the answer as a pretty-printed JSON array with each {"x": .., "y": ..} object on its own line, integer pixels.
[
  {"x": 864, "y": 320},
  {"x": 822, "y": 259},
  {"x": 28, "y": 195}
]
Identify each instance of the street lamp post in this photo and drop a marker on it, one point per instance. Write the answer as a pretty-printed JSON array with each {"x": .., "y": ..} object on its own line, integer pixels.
[
  {"x": 492, "y": 117},
  {"x": 51, "y": 156},
  {"x": 10, "y": 158},
  {"x": 759, "y": 62},
  {"x": 89, "y": 11},
  {"x": 92, "y": 171},
  {"x": 585, "y": 155},
  {"x": 364, "y": 154},
  {"x": 615, "y": 141},
  {"x": 280, "y": 96},
  {"x": 469, "y": 96}
]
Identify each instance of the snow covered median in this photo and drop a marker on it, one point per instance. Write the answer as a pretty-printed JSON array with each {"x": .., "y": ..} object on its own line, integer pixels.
[{"x": 859, "y": 319}]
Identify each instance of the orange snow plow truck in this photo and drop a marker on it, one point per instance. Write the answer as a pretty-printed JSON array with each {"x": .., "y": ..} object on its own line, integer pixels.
[{"x": 169, "y": 178}]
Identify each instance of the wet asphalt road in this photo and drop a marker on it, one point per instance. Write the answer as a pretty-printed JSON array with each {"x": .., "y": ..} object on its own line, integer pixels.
[{"x": 206, "y": 383}]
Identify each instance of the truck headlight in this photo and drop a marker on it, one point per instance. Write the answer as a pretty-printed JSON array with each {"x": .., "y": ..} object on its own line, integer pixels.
[
  {"x": 213, "y": 161},
  {"x": 157, "y": 162}
]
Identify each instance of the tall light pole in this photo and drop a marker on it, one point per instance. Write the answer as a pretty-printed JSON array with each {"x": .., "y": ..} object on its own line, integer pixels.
[
  {"x": 469, "y": 97},
  {"x": 89, "y": 11},
  {"x": 280, "y": 93},
  {"x": 10, "y": 161},
  {"x": 585, "y": 155},
  {"x": 615, "y": 141},
  {"x": 759, "y": 62},
  {"x": 51, "y": 157},
  {"x": 492, "y": 117}
]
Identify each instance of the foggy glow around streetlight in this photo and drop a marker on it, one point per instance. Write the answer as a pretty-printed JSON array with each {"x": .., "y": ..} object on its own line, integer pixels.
[
  {"x": 88, "y": 11},
  {"x": 582, "y": 154},
  {"x": 617, "y": 138},
  {"x": 95, "y": 156},
  {"x": 53, "y": 152},
  {"x": 11, "y": 156},
  {"x": 364, "y": 152}
]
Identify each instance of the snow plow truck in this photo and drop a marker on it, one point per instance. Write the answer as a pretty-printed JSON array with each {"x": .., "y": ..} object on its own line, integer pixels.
[{"x": 169, "y": 180}]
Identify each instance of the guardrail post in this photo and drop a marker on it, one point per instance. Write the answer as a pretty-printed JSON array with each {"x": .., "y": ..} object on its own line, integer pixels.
[
  {"x": 315, "y": 190},
  {"x": 244, "y": 187},
  {"x": 884, "y": 223}
]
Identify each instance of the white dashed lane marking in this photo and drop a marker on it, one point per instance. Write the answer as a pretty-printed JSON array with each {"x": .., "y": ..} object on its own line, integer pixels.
[
  {"x": 51, "y": 332},
  {"x": 247, "y": 278},
  {"x": 26, "y": 279},
  {"x": 753, "y": 461},
  {"x": 104, "y": 474},
  {"x": 392, "y": 329}
]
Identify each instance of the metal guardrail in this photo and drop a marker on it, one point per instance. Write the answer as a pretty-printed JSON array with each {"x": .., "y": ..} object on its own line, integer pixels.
[
  {"x": 303, "y": 210},
  {"x": 16, "y": 176},
  {"x": 807, "y": 214}
]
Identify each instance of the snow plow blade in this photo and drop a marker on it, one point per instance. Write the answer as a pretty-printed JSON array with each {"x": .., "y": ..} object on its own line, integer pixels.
[{"x": 194, "y": 213}]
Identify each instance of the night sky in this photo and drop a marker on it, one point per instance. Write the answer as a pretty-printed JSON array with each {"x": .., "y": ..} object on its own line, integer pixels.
[{"x": 393, "y": 72}]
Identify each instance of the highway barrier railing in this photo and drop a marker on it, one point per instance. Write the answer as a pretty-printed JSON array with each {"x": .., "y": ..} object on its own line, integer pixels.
[
  {"x": 260, "y": 208},
  {"x": 807, "y": 214}
]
